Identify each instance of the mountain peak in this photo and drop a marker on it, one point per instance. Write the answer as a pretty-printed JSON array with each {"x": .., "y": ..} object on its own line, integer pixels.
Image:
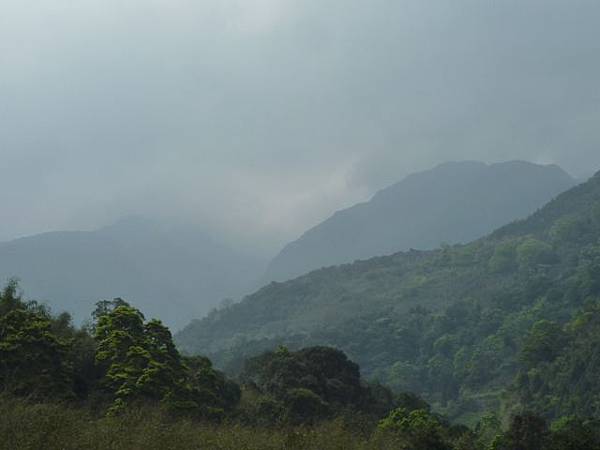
[
  {"x": 418, "y": 319},
  {"x": 456, "y": 201}
]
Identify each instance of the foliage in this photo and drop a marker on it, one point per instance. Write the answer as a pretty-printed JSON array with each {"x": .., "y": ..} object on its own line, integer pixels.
[
  {"x": 310, "y": 398},
  {"x": 573, "y": 433},
  {"x": 314, "y": 382},
  {"x": 142, "y": 364},
  {"x": 559, "y": 376},
  {"x": 140, "y": 359},
  {"x": 526, "y": 432},
  {"x": 53, "y": 426},
  {"x": 461, "y": 327},
  {"x": 454, "y": 325},
  {"x": 126, "y": 361},
  {"x": 33, "y": 359},
  {"x": 415, "y": 430}
]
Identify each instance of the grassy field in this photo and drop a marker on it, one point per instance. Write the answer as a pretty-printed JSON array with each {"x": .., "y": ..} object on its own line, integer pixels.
[{"x": 25, "y": 425}]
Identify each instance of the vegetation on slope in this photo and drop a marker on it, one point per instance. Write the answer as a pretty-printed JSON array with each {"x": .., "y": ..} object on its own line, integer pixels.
[
  {"x": 120, "y": 383},
  {"x": 449, "y": 324}
]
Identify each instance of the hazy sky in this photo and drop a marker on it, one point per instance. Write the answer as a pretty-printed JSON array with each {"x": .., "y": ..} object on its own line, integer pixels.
[{"x": 261, "y": 117}]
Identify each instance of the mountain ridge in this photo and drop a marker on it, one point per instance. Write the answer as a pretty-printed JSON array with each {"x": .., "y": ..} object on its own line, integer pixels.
[
  {"x": 453, "y": 202},
  {"x": 173, "y": 272},
  {"x": 447, "y": 323}
]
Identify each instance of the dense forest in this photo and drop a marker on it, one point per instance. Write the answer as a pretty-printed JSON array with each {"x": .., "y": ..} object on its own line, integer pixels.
[
  {"x": 498, "y": 324},
  {"x": 119, "y": 382},
  {"x": 486, "y": 346}
]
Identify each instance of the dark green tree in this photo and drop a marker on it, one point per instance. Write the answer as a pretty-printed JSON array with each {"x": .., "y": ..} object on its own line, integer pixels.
[
  {"x": 416, "y": 430},
  {"x": 573, "y": 433},
  {"x": 526, "y": 432},
  {"x": 128, "y": 355},
  {"x": 141, "y": 364},
  {"x": 33, "y": 357}
]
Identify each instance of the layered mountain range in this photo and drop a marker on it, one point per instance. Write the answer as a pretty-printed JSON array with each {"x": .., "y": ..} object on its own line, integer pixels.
[
  {"x": 170, "y": 271},
  {"x": 451, "y": 203},
  {"x": 455, "y": 324}
]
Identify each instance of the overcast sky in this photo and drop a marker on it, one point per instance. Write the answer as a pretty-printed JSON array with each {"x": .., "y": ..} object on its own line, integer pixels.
[{"x": 261, "y": 117}]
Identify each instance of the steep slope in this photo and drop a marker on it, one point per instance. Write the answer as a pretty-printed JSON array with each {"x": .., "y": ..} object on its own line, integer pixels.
[
  {"x": 447, "y": 323},
  {"x": 453, "y": 203},
  {"x": 168, "y": 271}
]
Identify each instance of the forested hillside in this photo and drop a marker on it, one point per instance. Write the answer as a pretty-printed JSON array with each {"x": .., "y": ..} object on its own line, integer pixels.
[
  {"x": 120, "y": 383},
  {"x": 453, "y": 203},
  {"x": 454, "y": 324}
]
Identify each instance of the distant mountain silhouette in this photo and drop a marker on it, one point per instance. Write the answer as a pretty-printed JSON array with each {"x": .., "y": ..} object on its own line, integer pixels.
[
  {"x": 452, "y": 203},
  {"x": 170, "y": 272}
]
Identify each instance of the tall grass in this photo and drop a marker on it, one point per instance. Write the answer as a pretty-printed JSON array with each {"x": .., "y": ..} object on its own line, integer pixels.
[{"x": 34, "y": 426}]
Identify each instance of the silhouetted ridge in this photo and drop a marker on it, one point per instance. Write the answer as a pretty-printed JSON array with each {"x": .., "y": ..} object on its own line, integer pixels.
[{"x": 454, "y": 202}]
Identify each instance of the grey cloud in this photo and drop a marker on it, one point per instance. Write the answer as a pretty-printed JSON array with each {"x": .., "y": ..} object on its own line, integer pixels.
[{"x": 261, "y": 117}]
